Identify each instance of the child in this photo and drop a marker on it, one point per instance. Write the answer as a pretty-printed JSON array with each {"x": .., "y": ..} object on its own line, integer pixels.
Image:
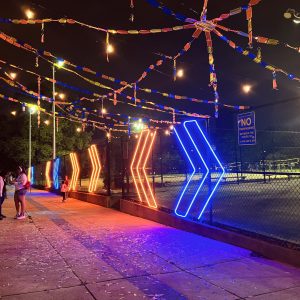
[{"x": 64, "y": 190}]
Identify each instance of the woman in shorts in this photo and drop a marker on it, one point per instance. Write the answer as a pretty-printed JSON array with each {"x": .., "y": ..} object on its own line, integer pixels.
[{"x": 20, "y": 192}]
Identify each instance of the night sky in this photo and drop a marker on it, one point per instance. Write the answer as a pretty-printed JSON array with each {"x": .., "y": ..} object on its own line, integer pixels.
[{"x": 133, "y": 54}]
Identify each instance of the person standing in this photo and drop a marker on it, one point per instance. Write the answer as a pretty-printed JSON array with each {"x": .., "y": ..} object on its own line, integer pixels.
[
  {"x": 4, "y": 195},
  {"x": 66, "y": 181},
  {"x": 20, "y": 192},
  {"x": 64, "y": 190},
  {"x": 1, "y": 195}
]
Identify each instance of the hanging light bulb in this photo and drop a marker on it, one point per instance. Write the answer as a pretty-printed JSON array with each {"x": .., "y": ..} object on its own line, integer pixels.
[
  {"x": 110, "y": 49},
  {"x": 29, "y": 13},
  {"x": 180, "y": 73}
]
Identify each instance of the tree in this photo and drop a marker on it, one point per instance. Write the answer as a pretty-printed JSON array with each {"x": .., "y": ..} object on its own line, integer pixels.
[{"x": 14, "y": 138}]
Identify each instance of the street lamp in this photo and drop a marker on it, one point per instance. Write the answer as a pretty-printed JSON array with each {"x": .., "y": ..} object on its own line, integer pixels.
[
  {"x": 14, "y": 113},
  {"x": 13, "y": 75},
  {"x": 59, "y": 64},
  {"x": 180, "y": 73},
  {"x": 246, "y": 88},
  {"x": 32, "y": 110}
]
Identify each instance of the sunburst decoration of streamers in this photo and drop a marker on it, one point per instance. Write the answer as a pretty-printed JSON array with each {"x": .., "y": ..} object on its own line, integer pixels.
[
  {"x": 43, "y": 33},
  {"x": 204, "y": 10},
  {"x": 39, "y": 102},
  {"x": 213, "y": 76}
]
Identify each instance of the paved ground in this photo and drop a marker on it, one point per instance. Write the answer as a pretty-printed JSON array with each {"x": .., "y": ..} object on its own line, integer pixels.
[{"x": 77, "y": 250}]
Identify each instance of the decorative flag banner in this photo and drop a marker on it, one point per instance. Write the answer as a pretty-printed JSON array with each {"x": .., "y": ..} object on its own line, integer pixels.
[
  {"x": 151, "y": 67},
  {"x": 72, "y": 22},
  {"x": 75, "y": 171},
  {"x": 96, "y": 165},
  {"x": 203, "y": 25},
  {"x": 200, "y": 156},
  {"x": 213, "y": 76},
  {"x": 252, "y": 57},
  {"x": 259, "y": 39},
  {"x": 138, "y": 167},
  {"x": 103, "y": 86}
]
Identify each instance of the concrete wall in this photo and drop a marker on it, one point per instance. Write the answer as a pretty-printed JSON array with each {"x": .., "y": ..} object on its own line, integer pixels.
[{"x": 264, "y": 248}]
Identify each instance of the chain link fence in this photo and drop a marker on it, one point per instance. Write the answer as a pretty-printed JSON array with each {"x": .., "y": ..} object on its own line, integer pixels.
[{"x": 259, "y": 194}]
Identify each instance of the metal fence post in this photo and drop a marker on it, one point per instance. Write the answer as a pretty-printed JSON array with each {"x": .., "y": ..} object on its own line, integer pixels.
[
  {"x": 153, "y": 175},
  {"x": 108, "y": 166},
  {"x": 161, "y": 160},
  {"x": 123, "y": 166},
  {"x": 208, "y": 132},
  {"x": 263, "y": 161},
  {"x": 241, "y": 160}
]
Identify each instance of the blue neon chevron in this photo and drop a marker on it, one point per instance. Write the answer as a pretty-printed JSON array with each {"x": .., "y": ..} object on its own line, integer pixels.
[{"x": 192, "y": 141}]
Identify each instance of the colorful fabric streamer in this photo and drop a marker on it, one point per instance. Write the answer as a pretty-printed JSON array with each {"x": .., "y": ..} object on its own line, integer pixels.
[
  {"x": 112, "y": 31},
  {"x": 252, "y": 57}
]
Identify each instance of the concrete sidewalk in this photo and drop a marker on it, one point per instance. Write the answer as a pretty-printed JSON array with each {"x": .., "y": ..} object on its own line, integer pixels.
[{"x": 77, "y": 250}]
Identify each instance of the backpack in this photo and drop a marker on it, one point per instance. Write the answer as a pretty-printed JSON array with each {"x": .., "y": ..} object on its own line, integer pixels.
[{"x": 27, "y": 185}]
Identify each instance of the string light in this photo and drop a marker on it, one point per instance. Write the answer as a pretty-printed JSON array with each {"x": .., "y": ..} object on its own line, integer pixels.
[
  {"x": 62, "y": 96},
  {"x": 60, "y": 63},
  {"x": 110, "y": 49},
  {"x": 180, "y": 73},
  {"x": 29, "y": 13},
  {"x": 13, "y": 75},
  {"x": 14, "y": 113},
  {"x": 247, "y": 88},
  {"x": 47, "y": 122}
]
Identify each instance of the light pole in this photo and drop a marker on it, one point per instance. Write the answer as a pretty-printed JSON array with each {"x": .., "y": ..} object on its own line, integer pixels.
[
  {"x": 59, "y": 64},
  {"x": 32, "y": 110},
  {"x": 53, "y": 112}
]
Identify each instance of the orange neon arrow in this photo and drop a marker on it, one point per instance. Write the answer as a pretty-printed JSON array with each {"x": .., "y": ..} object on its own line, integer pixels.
[
  {"x": 94, "y": 156},
  {"x": 75, "y": 171},
  {"x": 138, "y": 167},
  {"x": 47, "y": 174}
]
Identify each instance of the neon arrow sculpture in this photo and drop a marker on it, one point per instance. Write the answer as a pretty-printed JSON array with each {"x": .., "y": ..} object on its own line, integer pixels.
[
  {"x": 56, "y": 165},
  {"x": 94, "y": 156},
  {"x": 75, "y": 171},
  {"x": 138, "y": 167},
  {"x": 47, "y": 174},
  {"x": 190, "y": 139}
]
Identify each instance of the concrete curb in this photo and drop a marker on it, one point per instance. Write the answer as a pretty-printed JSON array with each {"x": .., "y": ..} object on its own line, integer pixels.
[
  {"x": 102, "y": 200},
  {"x": 106, "y": 201},
  {"x": 264, "y": 248}
]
